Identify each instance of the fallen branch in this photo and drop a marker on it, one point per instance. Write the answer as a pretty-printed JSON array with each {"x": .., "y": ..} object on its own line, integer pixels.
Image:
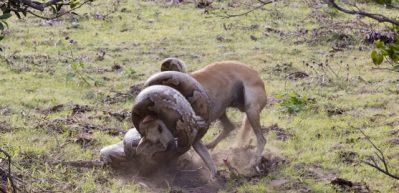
[
  {"x": 8, "y": 175},
  {"x": 381, "y": 158},
  {"x": 378, "y": 17}
]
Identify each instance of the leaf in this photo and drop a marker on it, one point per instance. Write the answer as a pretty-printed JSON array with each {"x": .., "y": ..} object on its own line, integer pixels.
[
  {"x": 73, "y": 4},
  {"x": 74, "y": 66},
  {"x": 5, "y": 23},
  {"x": 379, "y": 44},
  {"x": 5, "y": 16},
  {"x": 395, "y": 57},
  {"x": 81, "y": 64},
  {"x": 292, "y": 94},
  {"x": 377, "y": 57}
]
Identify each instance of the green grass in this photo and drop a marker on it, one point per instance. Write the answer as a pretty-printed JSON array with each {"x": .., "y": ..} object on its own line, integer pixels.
[{"x": 39, "y": 59}]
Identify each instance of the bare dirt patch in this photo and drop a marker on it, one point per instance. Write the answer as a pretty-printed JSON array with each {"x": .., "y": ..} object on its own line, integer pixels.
[
  {"x": 349, "y": 186},
  {"x": 281, "y": 133},
  {"x": 4, "y": 127},
  {"x": 189, "y": 174},
  {"x": 120, "y": 97}
]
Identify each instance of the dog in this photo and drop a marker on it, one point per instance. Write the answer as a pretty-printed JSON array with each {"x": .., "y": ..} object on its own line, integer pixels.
[{"x": 230, "y": 84}]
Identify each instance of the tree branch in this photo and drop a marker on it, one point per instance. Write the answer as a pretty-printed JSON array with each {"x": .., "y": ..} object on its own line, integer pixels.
[
  {"x": 381, "y": 158},
  {"x": 59, "y": 15},
  {"x": 261, "y": 5},
  {"x": 30, "y": 6},
  {"x": 38, "y": 5},
  {"x": 378, "y": 17}
]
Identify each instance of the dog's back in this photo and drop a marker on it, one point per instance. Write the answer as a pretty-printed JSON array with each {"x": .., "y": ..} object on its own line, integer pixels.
[{"x": 227, "y": 85}]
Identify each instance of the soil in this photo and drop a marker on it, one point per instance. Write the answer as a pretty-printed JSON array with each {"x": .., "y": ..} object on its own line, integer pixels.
[{"x": 189, "y": 174}]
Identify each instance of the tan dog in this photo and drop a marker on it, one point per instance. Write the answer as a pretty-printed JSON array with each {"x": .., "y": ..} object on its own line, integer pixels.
[{"x": 231, "y": 84}]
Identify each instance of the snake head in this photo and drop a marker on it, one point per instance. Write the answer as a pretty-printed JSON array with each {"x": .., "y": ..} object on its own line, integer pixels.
[{"x": 173, "y": 64}]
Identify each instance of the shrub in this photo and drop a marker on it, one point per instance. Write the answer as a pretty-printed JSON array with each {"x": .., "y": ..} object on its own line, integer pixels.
[
  {"x": 293, "y": 103},
  {"x": 388, "y": 52}
]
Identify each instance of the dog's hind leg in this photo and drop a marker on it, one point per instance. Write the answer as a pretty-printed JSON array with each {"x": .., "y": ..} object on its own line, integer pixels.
[
  {"x": 255, "y": 101},
  {"x": 227, "y": 127},
  {"x": 253, "y": 118},
  {"x": 242, "y": 137}
]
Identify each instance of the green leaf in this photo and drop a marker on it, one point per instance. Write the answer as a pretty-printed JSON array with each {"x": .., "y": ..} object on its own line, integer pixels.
[
  {"x": 73, "y": 4},
  {"x": 395, "y": 57},
  {"x": 5, "y": 16},
  {"x": 377, "y": 57},
  {"x": 379, "y": 44},
  {"x": 74, "y": 66},
  {"x": 81, "y": 64},
  {"x": 5, "y": 23}
]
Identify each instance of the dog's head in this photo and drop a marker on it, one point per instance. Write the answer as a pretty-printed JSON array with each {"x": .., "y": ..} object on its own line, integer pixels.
[
  {"x": 173, "y": 64},
  {"x": 157, "y": 143}
]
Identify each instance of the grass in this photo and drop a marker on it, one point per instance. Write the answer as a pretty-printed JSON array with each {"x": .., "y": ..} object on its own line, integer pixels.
[{"x": 37, "y": 58}]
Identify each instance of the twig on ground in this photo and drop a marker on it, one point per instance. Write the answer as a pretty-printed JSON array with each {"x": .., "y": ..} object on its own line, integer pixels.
[
  {"x": 8, "y": 174},
  {"x": 381, "y": 158},
  {"x": 261, "y": 5}
]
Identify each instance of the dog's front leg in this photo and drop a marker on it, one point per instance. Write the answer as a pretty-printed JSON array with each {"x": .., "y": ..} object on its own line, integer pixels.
[{"x": 206, "y": 157}]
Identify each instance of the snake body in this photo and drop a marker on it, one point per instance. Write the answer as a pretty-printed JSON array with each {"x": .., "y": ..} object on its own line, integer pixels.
[
  {"x": 192, "y": 91},
  {"x": 170, "y": 106}
]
